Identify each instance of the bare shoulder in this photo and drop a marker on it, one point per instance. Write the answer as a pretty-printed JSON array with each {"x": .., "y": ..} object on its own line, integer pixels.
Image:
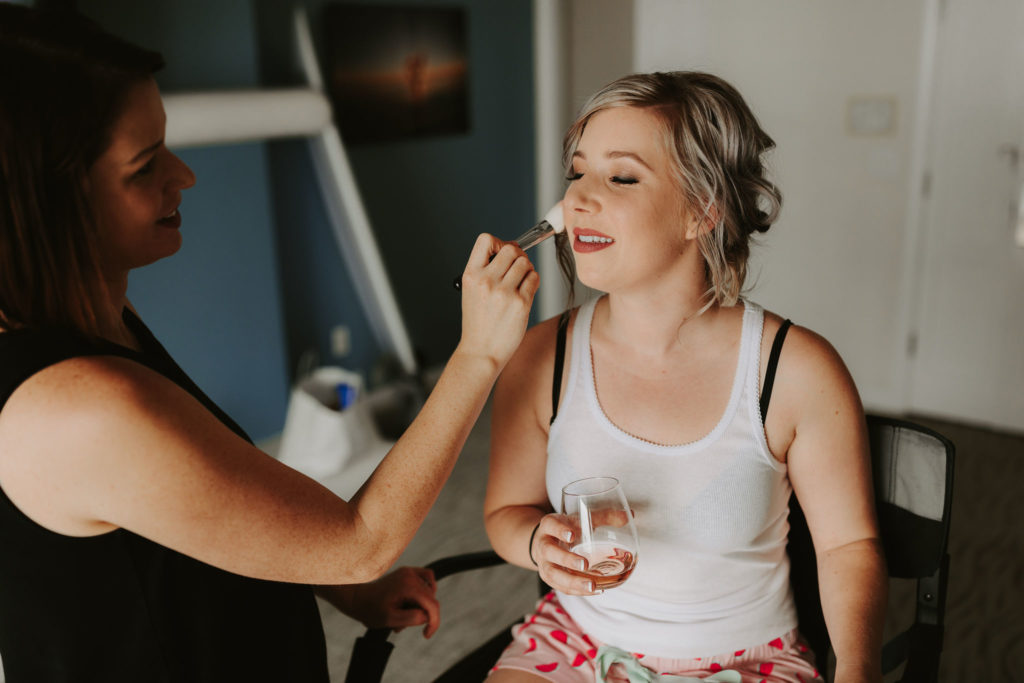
[
  {"x": 70, "y": 393},
  {"x": 813, "y": 387},
  {"x": 806, "y": 354},
  {"x": 540, "y": 339},
  {"x": 528, "y": 374},
  {"x": 91, "y": 424},
  {"x": 91, "y": 400},
  {"x": 89, "y": 390},
  {"x": 535, "y": 356}
]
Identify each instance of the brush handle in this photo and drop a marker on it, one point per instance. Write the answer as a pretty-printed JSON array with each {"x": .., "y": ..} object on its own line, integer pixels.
[
  {"x": 530, "y": 238},
  {"x": 535, "y": 235}
]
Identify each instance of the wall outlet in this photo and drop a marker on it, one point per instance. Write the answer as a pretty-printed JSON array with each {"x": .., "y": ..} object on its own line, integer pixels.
[{"x": 341, "y": 341}]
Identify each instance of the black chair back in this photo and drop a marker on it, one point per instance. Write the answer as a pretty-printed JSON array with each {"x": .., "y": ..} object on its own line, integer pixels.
[{"x": 912, "y": 467}]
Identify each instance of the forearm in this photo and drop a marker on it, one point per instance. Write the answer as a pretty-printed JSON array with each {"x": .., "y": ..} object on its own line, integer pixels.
[
  {"x": 509, "y": 531},
  {"x": 392, "y": 504},
  {"x": 854, "y": 590}
]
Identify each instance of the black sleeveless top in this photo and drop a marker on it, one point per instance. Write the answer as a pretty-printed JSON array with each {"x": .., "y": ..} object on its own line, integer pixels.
[{"x": 118, "y": 607}]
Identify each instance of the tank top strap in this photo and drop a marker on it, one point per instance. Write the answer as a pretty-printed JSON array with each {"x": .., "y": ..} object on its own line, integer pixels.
[
  {"x": 750, "y": 346},
  {"x": 753, "y": 333},
  {"x": 581, "y": 369},
  {"x": 753, "y": 327}
]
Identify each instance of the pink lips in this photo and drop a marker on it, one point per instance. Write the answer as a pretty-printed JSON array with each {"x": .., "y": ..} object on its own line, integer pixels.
[{"x": 581, "y": 247}]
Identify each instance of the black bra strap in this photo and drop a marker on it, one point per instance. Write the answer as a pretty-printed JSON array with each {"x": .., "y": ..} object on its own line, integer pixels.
[
  {"x": 773, "y": 362},
  {"x": 556, "y": 382}
]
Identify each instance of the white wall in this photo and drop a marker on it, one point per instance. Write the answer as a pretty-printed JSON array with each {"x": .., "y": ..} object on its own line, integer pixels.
[
  {"x": 601, "y": 39},
  {"x": 834, "y": 260}
]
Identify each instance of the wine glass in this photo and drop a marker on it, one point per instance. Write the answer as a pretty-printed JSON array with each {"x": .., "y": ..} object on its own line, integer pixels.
[{"x": 603, "y": 529}]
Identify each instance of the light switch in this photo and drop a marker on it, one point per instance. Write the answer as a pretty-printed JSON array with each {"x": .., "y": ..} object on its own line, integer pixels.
[{"x": 874, "y": 115}]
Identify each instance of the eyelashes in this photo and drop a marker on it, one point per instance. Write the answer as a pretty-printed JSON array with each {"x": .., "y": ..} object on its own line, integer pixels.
[{"x": 618, "y": 180}]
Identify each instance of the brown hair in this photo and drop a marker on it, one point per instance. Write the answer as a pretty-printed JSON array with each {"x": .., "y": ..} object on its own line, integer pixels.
[
  {"x": 716, "y": 147},
  {"x": 61, "y": 92}
]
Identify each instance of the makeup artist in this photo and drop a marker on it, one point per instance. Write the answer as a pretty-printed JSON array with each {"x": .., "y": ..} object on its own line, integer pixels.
[{"x": 144, "y": 537}]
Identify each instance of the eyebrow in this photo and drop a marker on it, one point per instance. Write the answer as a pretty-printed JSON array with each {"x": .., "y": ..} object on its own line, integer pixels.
[
  {"x": 618, "y": 155},
  {"x": 149, "y": 150}
]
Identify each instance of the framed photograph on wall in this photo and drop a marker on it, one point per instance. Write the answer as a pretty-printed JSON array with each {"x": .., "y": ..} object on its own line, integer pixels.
[{"x": 396, "y": 72}]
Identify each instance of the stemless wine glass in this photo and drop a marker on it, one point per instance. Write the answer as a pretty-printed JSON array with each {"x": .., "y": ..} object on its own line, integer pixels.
[{"x": 603, "y": 529}]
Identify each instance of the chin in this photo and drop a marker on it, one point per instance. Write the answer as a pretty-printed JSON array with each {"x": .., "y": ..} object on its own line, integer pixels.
[
  {"x": 163, "y": 252},
  {"x": 592, "y": 279},
  {"x": 170, "y": 245}
]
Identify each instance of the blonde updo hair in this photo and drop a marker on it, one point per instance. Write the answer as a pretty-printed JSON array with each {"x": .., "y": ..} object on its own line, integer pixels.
[{"x": 715, "y": 145}]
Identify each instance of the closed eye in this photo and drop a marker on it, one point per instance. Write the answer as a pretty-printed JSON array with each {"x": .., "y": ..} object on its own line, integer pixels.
[
  {"x": 145, "y": 169},
  {"x": 573, "y": 175},
  {"x": 624, "y": 180}
]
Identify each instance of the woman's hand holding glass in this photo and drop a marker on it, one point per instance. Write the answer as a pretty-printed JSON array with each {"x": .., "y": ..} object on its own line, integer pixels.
[
  {"x": 558, "y": 566},
  {"x": 590, "y": 546}
]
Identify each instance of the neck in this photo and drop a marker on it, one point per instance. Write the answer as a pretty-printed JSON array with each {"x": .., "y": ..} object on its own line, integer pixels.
[
  {"x": 657, "y": 317},
  {"x": 113, "y": 325},
  {"x": 650, "y": 325}
]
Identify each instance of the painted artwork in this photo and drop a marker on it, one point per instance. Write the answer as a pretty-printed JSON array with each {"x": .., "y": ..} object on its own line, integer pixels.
[{"x": 396, "y": 71}]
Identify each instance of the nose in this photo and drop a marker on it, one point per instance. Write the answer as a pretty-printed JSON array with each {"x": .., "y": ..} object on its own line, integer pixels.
[
  {"x": 182, "y": 177},
  {"x": 580, "y": 196}
]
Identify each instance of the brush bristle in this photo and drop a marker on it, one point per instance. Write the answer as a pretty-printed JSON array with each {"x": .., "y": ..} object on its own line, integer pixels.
[{"x": 555, "y": 218}]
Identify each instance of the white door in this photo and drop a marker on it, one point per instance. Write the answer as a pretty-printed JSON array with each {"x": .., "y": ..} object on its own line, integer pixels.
[{"x": 969, "y": 360}]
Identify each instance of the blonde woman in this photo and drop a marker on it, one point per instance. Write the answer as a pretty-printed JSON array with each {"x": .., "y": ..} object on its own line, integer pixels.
[{"x": 666, "y": 385}]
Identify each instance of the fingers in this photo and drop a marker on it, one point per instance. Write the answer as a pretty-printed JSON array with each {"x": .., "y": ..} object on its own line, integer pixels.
[
  {"x": 405, "y": 617},
  {"x": 558, "y": 566},
  {"x": 427, "y": 576},
  {"x": 415, "y": 613},
  {"x": 518, "y": 273},
  {"x": 484, "y": 248},
  {"x": 421, "y": 609},
  {"x": 530, "y": 286},
  {"x": 433, "y": 611},
  {"x": 419, "y": 604},
  {"x": 427, "y": 601},
  {"x": 497, "y": 261},
  {"x": 610, "y": 517},
  {"x": 555, "y": 528}
]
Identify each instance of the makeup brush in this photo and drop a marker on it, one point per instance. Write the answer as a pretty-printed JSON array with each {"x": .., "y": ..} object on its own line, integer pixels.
[{"x": 549, "y": 225}]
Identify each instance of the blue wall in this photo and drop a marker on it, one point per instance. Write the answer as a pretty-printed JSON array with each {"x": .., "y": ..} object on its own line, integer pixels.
[
  {"x": 216, "y": 305},
  {"x": 259, "y": 280},
  {"x": 427, "y": 198}
]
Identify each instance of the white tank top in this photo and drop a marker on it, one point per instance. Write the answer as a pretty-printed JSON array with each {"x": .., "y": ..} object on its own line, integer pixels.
[{"x": 712, "y": 575}]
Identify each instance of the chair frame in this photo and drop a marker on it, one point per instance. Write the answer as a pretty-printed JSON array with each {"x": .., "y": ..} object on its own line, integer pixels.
[{"x": 919, "y": 646}]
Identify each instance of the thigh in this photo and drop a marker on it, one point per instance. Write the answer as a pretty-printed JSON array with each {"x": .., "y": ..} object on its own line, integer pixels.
[
  {"x": 786, "y": 659},
  {"x": 548, "y": 646}
]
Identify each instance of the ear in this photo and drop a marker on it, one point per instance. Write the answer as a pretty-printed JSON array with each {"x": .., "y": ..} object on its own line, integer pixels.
[{"x": 700, "y": 221}]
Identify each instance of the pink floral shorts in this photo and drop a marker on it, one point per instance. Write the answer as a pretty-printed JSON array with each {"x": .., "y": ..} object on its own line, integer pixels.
[{"x": 549, "y": 644}]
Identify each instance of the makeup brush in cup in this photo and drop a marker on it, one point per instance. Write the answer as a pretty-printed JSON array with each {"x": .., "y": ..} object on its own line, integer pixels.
[{"x": 551, "y": 224}]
